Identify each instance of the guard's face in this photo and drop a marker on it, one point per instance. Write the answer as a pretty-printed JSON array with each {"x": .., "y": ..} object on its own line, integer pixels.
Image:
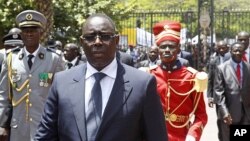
[
  {"x": 31, "y": 36},
  {"x": 99, "y": 42},
  {"x": 237, "y": 51},
  {"x": 168, "y": 51}
]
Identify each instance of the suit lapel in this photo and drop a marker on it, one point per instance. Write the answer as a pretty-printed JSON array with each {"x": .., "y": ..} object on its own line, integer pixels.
[
  {"x": 119, "y": 95},
  {"x": 77, "y": 101},
  {"x": 232, "y": 70}
]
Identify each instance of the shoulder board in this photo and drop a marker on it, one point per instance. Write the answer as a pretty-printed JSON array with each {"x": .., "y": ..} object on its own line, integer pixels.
[
  {"x": 58, "y": 52},
  {"x": 192, "y": 70},
  {"x": 153, "y": 67},
  {"x": 16, "y": 49}
]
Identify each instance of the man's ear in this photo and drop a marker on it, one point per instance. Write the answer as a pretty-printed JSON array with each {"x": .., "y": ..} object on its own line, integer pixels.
[{"x": 117, "y": 39}]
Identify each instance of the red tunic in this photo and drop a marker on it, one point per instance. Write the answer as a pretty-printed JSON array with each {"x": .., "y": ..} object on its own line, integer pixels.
[{"x": 181, "y": 105}]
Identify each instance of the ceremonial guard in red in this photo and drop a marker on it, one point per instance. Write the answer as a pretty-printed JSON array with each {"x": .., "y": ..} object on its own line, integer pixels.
[{"x": 180, "y": 87}]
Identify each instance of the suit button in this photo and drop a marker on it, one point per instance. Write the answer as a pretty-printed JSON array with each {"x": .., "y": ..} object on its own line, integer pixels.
[
  {"x": 30, "y": 104},
  {"x": 29, "y": 90},
  {"x": 31, "y": 119},
  {"x": 30, "y": 75}
]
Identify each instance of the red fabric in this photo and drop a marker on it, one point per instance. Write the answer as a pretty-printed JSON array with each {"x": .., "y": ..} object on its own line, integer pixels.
[
  {"x": 200, "y": 115},
  {"x": 244, "y": 58},
  {"x": 238, "y": 73}
]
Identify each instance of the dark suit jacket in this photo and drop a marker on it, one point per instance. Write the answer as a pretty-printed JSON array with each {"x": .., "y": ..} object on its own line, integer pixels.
[
  {"x": 228, "y": 91},
  {"x": 188, "y": 56},
  {"x": 125, "y": 58},
  {"x": 213, "y": 63},
  {"x": 133, "y": 111}
]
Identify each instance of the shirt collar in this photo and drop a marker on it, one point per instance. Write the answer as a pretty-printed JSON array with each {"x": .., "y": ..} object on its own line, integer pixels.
[
  {"x": 73, "y": 62},
  {"x": 34, "y": 53},
  {"x": 110, "y": 70}
]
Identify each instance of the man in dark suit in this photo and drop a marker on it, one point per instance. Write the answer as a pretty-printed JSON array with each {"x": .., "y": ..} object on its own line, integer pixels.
[
  {"x": 231, "y": 89},
  {"x": 127, "y": 107},
  {"x": 220, "y": 56},
  {"x": 72, "y": 55},
  {"x": 186, "y": 55},
  {"x": 125, "y": 58},
  {"x": 243, "y": 37},
  {"x": 153, "y": 57}
]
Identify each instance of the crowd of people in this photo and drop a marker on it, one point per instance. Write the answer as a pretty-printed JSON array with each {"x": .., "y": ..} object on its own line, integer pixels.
[{"x": 96, "y": 91}]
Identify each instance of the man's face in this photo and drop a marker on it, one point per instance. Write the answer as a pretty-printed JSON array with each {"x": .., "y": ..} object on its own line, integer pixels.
[
  {"x": 237, "y": 51},
  {"x": 222, "y": 48},
  {"x": 70, "y": 53},
  {"x": 153, "y": 54},
  {"x": 31, "y": 36},
  {"x": 99, "y": 42},
  {"x": 168, "y": 51},
  {"x": 243, "y": 38}
]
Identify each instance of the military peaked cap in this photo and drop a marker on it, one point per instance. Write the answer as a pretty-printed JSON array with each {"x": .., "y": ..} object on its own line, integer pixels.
[{"x": 31, "y": 18}]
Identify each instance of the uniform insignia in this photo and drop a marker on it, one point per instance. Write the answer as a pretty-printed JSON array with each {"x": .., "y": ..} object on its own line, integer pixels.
[
  {"x": 41, "y": 55},
  {"x": 20, "y": 57},
  {"x": 15, "y": 36},
  {"x": 45, "y": 79},
  {"x": 192, "y": 70},
  {"x": 29, "y": 17}
]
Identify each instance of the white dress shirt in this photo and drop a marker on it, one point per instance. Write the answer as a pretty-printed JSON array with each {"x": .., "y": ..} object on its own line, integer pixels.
[
  {"x": 34, "y": 53},
  {"x": 106, "y": 83}
]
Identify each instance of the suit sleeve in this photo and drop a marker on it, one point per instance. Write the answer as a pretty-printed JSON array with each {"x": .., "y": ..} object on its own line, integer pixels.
[
  {"x": 219, "y": 91},
  {"x": 210, "y": 80},
  {"x": 153, "y": 117},
  {"x": 5, "y": 103},
  {"x": 47, "y": 129}
]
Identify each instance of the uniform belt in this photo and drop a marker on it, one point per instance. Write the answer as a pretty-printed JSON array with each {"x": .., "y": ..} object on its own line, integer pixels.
[{"x": 176, "y": 118}]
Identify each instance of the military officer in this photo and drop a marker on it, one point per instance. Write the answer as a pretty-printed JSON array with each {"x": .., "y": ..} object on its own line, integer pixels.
[
  {"x": 25, "y": 80},
  {"x": 180, "y": 88},
  {"x": 10, "y": 40}
]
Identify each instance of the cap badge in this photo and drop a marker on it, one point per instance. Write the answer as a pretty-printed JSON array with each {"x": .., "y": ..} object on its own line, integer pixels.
[
  {"x": 166, "y": 27},
  {"x": 29, "y": 17},
  {"x": 14, "y": 36}
]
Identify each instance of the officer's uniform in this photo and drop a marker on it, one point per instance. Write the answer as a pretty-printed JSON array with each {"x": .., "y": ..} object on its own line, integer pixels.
[
  {"x": 181, "y": 91},
  {"x": 23, "y": 91}
]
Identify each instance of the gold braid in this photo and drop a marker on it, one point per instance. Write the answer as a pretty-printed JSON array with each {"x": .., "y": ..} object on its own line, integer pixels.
[{"x": 182, "y": 94}]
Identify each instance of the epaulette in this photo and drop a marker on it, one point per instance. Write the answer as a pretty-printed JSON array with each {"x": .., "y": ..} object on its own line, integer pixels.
[
  {"x": 192, "y": 70},
  {"x": 56, "y": 51},
  {"x": 16, "y": 49}
]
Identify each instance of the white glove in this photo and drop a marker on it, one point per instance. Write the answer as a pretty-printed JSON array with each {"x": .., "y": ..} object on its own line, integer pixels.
[{"x": 190, "y": 138}]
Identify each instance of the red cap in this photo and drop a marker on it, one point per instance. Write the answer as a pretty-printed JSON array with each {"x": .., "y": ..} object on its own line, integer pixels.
[{"x": 167, "y": 30}]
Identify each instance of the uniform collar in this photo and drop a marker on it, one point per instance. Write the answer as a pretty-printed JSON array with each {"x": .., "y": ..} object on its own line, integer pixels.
[{"x": 171, "y": 67}]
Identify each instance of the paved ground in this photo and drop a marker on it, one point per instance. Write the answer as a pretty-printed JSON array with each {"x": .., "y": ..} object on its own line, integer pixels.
[{"x": 210, "y": 131}]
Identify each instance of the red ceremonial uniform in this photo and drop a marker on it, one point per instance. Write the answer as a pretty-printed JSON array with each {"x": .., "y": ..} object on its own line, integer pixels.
[{"x": 174, "y": 87}]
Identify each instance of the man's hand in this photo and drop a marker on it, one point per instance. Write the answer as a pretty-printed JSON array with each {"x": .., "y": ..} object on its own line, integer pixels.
[
  {"x": 210, "y": 103},
  {"x": 4, "y": 134},
  {"x": 228, "y": 120}
]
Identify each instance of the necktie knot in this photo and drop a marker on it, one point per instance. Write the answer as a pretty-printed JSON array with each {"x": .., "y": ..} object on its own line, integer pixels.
[
  {"x": 98, "y": 76},
  {"x": 69, "y": 65}
]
